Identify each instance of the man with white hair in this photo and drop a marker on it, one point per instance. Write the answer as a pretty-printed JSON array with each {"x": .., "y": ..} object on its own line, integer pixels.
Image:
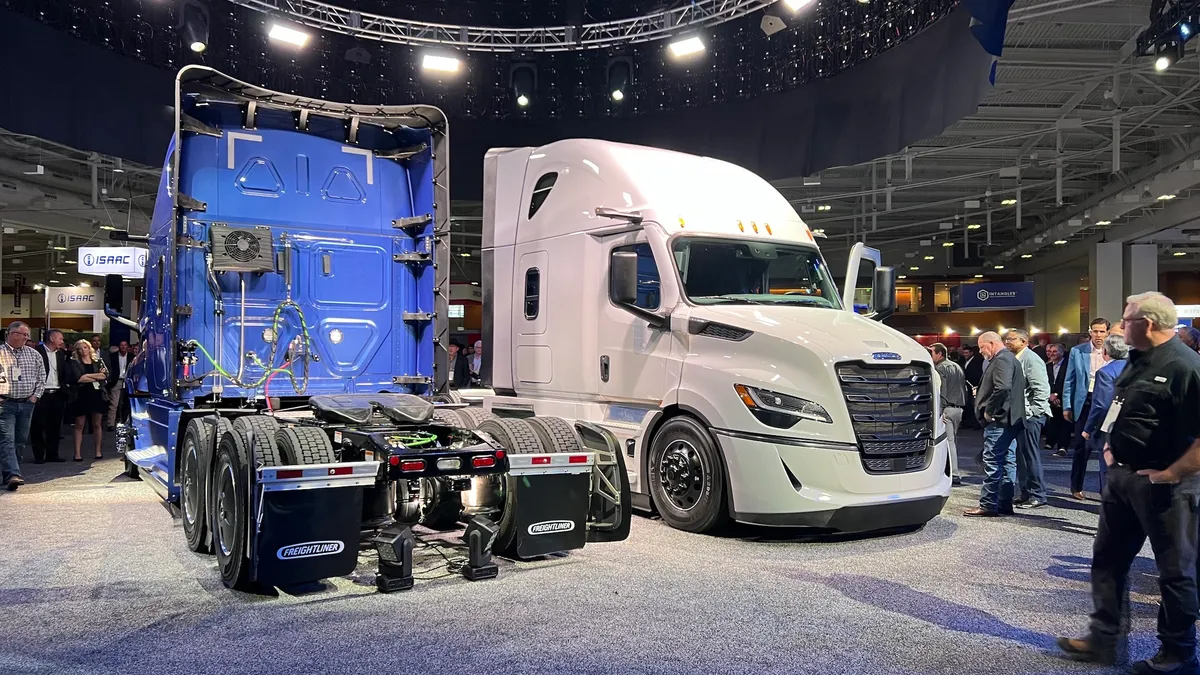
[
  {"x": 22, "y": 381},
  {"x": 1000, "y": 405},
  {"x": 1151, "y": 490}
]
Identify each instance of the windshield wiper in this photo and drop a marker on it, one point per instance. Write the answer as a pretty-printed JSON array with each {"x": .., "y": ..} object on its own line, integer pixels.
[{"x": 729, "y": 299}]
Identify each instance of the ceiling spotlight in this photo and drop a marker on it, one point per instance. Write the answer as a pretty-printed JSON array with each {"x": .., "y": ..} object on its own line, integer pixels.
[
  {"x": 973, "y": 226},
  {"x": 59, "y": 248},
  {"x": 193, "y": 25},
  {"x": 795, "y": 5},
  {"x": 902, "y": 276},
  {"x": 974, "y": 330},
  {"x": 947, "y": 244},
  {"x": 440, "y": 64},
  {"x": 997, "y": 267},
  {"x": 687, "y": 46},
  {"x": 1166, "y": 198},
  {"x": 1059, "y": 242},
  {"x": 929, "y": 257},
  {"x": 1026, "y": 255},
  {"x": 978, "y": 276},
  {"x": 1179, "y": 254},
  {"x": 70, "y": 262},
  {"x": 522, "y": 77},
  {"x": 620, "y": 72},
  {"x": 914, "y": 268},
  {"x": 1008, "y": 202},
  {"x": 1102, "y": 223},
  {"x": 948, "y": 331},
  {"x": 60, "y": 273},
  {"x": 824, "y": 207},
  {"x": 291, "y": 36}
]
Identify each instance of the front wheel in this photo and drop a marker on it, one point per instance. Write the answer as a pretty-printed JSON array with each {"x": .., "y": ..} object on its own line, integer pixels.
[{"x": 687, "y": 477}]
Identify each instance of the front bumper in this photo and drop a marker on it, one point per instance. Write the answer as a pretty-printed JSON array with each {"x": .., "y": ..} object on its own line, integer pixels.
[
  {"x": 862, "y": 518},
  {"x": 787, "y": 482}
]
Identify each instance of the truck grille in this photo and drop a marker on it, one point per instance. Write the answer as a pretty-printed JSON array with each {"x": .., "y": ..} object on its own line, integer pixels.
[{"x": 891, "y": 409}]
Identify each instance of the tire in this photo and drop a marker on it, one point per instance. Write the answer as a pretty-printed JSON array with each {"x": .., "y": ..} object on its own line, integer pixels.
[
  {"x": 304, "y": 445},
  {"x": 556, "y": 434},
  {"x": 447, "y": 417},
  {"x": 453, "y": 396},
  {"x": 193, "y": 481},
  {"x": 445, "y": 506},
  {"x": 258, "y": 432},
  {"x": 471, "y": 418},
  {"x": 131, "y": 470},
  {"x": 687, "y": 476},
  {"x": 228, "y": 518},
  {"x": 517, "y": 436}
]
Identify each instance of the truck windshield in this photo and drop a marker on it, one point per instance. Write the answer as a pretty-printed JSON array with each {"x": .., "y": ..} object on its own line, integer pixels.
[{"x": 730, "y": 271}]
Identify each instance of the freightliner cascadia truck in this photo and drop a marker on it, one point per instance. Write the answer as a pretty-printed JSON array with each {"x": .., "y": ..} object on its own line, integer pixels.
[
  {"x": 291, "y": 397},
  {"x": 681, "y": 304}
]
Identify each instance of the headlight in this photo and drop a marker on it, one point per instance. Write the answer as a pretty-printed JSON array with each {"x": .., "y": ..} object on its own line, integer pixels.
[{"x": 780, "y": 410}]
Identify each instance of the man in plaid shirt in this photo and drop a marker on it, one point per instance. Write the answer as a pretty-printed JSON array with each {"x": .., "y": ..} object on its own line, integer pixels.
[{"x": 22, "y": 380}]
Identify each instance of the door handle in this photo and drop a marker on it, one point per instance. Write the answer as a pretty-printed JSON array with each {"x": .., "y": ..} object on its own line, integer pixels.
[{"x": 604, "y": 369}]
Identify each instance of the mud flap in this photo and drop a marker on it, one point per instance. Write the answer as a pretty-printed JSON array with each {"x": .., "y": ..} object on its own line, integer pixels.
[
  {"x": 551, "y": 502},
  {"x": 307, "y": 521},
  {"x": 611, "y": 509}
]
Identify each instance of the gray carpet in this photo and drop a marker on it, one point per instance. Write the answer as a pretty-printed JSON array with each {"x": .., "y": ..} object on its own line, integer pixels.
[{"x": 95, "y": 578}]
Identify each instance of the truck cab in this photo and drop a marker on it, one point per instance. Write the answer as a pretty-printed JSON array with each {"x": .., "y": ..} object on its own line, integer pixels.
[{"x": 682, "y": 304}]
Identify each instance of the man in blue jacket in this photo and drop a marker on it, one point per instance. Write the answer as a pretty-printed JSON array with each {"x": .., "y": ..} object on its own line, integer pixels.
[
  {"x": 1115, "y": 352},
  {"x": 1084, "y": 361}
]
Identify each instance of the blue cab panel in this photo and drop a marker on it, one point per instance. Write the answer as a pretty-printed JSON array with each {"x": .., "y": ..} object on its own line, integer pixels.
[{"x": 331, "y": 204}]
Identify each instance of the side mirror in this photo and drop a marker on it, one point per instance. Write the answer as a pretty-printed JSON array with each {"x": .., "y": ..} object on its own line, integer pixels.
[
  {"x": 883, "y": 295},
  {"x": 623, "y": 268}
]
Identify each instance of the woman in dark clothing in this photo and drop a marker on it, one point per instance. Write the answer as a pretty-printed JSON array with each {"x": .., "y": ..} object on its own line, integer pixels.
[{"x": 85, "y": 377}]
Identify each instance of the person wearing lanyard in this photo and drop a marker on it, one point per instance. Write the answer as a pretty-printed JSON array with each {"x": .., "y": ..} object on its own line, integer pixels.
[
  {"x": 1152, "y": 490},
  {"x": 22, "y": 379},
  {"x": 953, "y": 398}
]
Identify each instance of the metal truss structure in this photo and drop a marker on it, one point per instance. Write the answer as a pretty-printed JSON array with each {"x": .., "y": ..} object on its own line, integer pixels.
[{"x": 658, "y": 25}]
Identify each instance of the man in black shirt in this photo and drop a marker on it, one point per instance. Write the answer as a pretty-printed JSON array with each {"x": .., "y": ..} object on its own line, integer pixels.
[{"x": 1152, "y": 490}]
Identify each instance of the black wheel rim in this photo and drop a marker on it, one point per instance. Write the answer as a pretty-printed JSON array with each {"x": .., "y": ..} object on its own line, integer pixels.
[
  {"x": 681, "y": 473},
  {"x": 191, "y": 485},
  {"x": 226, "y": 511}
]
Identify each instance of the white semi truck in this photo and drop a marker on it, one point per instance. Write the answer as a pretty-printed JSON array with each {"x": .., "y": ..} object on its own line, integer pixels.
[{"x": 681, "y": 304}]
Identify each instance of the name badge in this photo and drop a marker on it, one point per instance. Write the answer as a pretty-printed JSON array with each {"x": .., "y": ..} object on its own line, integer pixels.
[
  {"x": 16, "y": 373},
  {"x": 1114, "y": 411}
]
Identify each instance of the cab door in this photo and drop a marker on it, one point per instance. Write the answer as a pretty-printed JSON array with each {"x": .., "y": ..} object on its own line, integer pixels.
[{"x": 634, "y": 355}]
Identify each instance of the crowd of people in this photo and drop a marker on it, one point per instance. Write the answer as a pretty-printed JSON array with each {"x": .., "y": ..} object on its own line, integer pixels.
[
  {"x": 1130, "y": 395},
  {"x": 464, "y": 364},
  {"x": 42, "y": 386}
]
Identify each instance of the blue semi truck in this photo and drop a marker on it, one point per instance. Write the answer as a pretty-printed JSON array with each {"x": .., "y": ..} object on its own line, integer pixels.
[{"x": 291, "y": 395}]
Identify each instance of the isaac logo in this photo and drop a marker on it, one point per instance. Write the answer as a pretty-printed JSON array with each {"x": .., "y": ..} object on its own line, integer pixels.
[
  {"x": 89, "y": 260},
  {"x": 142, "y": 260}
]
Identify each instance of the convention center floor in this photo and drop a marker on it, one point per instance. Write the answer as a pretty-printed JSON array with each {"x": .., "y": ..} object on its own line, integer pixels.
[{"x": 95, "y": 577}]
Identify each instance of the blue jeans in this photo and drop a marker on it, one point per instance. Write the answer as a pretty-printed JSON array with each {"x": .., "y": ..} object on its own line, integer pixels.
[
  {"x": 15, "y": 417},
  {"x": 999, "y": 465},
  {"x": 1029, "y": 459}
]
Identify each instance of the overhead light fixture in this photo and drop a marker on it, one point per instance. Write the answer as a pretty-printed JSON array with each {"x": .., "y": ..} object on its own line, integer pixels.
[
  {"x": 974, "y": 226},
  {"x": 1062, "y": 331},
  {"x": 1027, "y": 255},
  {"x": 1008, "y": 202},
  {"x": 947, "y": 244},
  {"x": 1102, "y": 223},
  {"x": 824, "y": 207},
  {"x": 440, "y": 64},
  {"x": 291, "y": 36},
  {"x": 38, "y": 287},
  {"x": 914, "y": 268},
  {"x": 60, "y": 273},
  {"x": 193, "y": 26},
  {"x": 997, "y": 267},
  {"x": 687, "y": 46},
  {"x": 1179, "y": 254},
  {"x": 57, "y": 247},
  {"x": 620, "y": 73},
  {"x": 1033, "y": 330},
  {"x": 83, "y": 284},
  {"x": 974, "y": 330},
  {"x": 978, "y": 276},
  {"x": 795, "y": 5},
  {"x": 1166, "y": 198},
  {"x": 70, "y": 262},
  {"x": 1059, "y": 242},
  {"x": 929, "y": 257},
  {"x": 107, "y": 227},
  {"x": 948, "y": 331},
  {"x": 902, "y": 276},
  {"x": 522, "y": 77},
  {"x": 465, "y": 255}
]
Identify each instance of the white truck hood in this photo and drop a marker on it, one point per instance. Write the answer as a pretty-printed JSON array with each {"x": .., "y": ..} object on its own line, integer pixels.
[{"x": 835, "y": 335}]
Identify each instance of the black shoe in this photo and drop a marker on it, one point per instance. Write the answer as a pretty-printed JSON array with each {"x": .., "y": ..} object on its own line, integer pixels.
[
  {"x": 1031, "y": 504},
  {"x": 14, "y": 483},
  {"x": 1087, "y": 649},
  {"x": 1020, "y": 502},
  {"x": 1165, "y": 662}
]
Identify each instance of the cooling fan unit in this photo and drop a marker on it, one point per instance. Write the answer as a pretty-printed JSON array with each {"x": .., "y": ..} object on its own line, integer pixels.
[{"x": 242, "y": 249}]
